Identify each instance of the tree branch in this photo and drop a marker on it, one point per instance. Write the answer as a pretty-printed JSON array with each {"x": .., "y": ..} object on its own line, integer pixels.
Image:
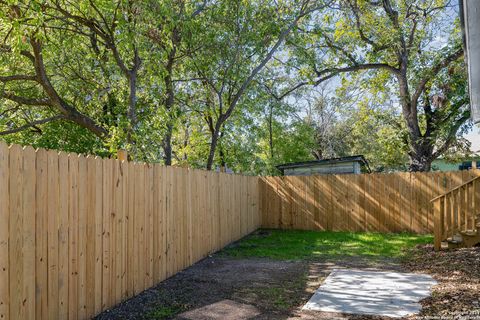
[
  {"x": 69, "y": 112},
  {"x": 26, "y": 101},
  {"x": 18, "y": 77},
  {"x": 329, "y": 73},
  {"x": 199, "y": 10},
  {"x": 358, "y": 24},
  {"x": 358, "y": 67},
  {"x": 31, "y": 124},
  {"x": 434, "y": 71},
  {"x": 451, "y": 137},
  {"x": 283, "y": 35}
]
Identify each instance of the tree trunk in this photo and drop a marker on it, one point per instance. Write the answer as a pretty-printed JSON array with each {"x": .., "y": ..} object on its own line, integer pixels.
[
  {"x": 132, "y": 102},
  {"x": 213, "y": 145},
  {"x": 421, "y": 156},
  {"x": 421, "y": 149},
  {"x": 185, "y": 143},
  {"x": 421, "y": 163},
  {"x": 211, "y": 154},
  {"x": 167, "y": 145},
  {"x": 132, "y": 99},
  {"x": 270, "y": 131},
  {"x": 221, "y": 153},
  {"x": 169, "y": 104}
]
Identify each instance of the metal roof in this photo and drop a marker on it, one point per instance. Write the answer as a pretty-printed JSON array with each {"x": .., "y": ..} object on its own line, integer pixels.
[{"x": 358, "y": 158}]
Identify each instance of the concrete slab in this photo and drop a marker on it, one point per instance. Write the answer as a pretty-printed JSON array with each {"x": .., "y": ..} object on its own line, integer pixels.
[
  {"x": 222, "y": 310},
  {"x": 353, "y": 291}
]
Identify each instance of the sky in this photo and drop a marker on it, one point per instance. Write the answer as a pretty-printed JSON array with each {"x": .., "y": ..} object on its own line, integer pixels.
[{"x": 474, "y": 138}]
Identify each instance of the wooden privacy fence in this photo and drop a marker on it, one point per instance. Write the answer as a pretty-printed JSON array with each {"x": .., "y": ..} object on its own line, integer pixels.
[
  {"x": 393, "y": 202},
  {"x": 80, "y": 234}
]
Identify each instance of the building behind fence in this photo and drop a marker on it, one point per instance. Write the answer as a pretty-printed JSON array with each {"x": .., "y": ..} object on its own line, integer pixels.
[{"x": 80, "y": 234}]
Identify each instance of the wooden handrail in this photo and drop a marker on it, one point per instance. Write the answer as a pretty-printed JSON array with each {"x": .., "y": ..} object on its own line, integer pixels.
[{"x": 456, "y": 188}]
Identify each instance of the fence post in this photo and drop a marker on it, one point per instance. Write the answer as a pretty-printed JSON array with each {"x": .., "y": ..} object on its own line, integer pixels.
[{"x": 122, "y": 155}]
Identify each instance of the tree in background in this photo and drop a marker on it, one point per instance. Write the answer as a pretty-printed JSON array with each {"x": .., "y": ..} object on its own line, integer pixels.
[
  {"x": 393, "y": 44},
  {"x": 241, "y": 42},
  {"x": 83, "y": 62},
  {"x": 348, "y": 122},
  {"x": 237, "y": 84}
]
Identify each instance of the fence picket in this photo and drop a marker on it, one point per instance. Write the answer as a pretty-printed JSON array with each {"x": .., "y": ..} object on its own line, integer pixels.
[{"x": 4, "y": 233}]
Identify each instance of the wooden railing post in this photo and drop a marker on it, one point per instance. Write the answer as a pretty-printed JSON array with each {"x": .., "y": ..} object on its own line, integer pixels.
[{"x": 437, "y": 227}]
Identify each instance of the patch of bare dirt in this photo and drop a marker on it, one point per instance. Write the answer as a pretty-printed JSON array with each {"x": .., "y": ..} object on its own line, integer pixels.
[
  {"x": 278, "y": 289},
  {"x": 269, "y": 285}
]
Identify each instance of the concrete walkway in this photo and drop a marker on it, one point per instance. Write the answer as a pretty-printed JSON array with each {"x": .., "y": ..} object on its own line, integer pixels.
[{"x": 353, "y": 291}]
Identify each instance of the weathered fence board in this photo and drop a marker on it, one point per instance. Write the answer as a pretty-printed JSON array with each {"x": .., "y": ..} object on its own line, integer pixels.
[
  {"x": 80, "y": 234},
  {"x": 395, "y": 202}
]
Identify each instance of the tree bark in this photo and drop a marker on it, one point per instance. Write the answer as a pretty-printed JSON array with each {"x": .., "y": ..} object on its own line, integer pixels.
[
  {"x": 132, "y": 104},
  {"x": 169, "y": 104},
  {"x": 420, "y": 160},
  {"x": 221, "y": 151},
  {"x": 213, "y": 147},
  {"x": 167, "y": 146},
  {"x": 270, "y": 131},
  {"x": 132, "y": 99}
]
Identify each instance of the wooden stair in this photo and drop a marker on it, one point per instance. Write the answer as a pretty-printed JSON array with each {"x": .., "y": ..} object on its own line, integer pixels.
[
  {"x": 464, "y": 240},
  {"x": 456, "y": 217}
]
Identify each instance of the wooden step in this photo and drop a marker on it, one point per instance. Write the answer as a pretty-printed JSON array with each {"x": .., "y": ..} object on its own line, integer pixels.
[
  {"x": 469, "y": 233},
  {"x": 454, "y": 244},
  {"x": 452, "y": 241},
  {"x": 470, "y": 238}
]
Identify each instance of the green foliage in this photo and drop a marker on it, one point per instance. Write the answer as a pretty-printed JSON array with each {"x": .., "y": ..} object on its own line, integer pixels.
[
  {"x": 60, "y": 136},
  {"x": 202, "y": 52},
  {"x": 378, "y": 135}
]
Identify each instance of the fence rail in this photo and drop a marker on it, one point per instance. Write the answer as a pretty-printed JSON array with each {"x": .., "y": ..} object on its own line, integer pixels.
[
  {"x": 80, "y": 234},
  {"x": 393, "y": 202}
]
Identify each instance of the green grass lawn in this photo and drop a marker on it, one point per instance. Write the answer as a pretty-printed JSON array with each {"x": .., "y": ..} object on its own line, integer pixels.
[{"x": 297, "y": 245}]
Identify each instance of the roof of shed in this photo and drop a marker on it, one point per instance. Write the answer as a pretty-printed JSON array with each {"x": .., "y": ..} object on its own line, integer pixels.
[{"x": 357, "y": 158}]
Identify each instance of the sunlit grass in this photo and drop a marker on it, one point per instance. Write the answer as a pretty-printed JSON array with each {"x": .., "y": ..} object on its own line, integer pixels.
[{"x": 296, "y": 245}]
